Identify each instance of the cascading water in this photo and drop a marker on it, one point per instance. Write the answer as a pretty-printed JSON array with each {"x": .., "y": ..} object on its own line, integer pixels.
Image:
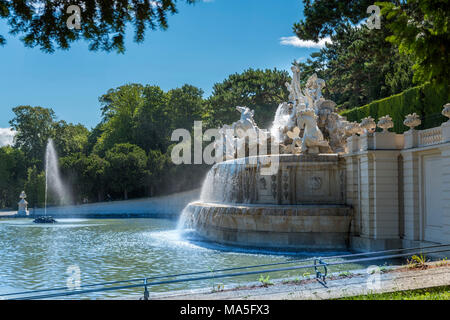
[
  {"x": 283, "y": 119},
  {"x": 53, "y": 182},
  {"x": 228, "y": 182}
]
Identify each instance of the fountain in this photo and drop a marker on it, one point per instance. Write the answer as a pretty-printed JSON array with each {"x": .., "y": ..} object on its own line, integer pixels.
[
  {"x": 53, "y": 182},
  {"x": 302, "y": 204}
]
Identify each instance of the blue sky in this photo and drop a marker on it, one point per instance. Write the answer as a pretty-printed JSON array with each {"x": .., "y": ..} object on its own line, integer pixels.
[{"x": 204, "y": 44}]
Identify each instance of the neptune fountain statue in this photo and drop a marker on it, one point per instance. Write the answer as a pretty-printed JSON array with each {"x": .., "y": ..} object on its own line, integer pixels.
[{"x": 301, "y": 204}]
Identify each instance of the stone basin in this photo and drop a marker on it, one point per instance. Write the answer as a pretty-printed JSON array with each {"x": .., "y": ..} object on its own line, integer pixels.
[{"x": 303, "y": 227}]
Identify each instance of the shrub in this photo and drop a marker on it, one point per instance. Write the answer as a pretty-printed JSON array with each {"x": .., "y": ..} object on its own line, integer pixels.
[{"x": 425, "y": 100}]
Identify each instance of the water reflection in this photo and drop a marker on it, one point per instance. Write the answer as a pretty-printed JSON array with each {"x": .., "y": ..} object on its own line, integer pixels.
[{"x": 37, "y": 256}]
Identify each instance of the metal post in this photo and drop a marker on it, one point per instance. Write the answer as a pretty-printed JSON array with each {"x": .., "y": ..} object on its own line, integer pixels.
[
  {"x": 146, "y": 293},
  {"x": 319, "y": 275}
]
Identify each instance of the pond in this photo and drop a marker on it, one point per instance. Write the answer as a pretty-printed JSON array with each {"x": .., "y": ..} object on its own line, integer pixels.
[{"x": 34, "y": 256}]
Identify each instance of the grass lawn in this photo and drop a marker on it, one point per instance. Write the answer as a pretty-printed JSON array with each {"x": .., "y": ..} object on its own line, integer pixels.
[{"x": 436, "y": 293}]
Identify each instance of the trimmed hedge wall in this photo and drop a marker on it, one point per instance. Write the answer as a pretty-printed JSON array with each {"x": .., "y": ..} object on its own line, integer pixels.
[{"x": 425, "y": 100}]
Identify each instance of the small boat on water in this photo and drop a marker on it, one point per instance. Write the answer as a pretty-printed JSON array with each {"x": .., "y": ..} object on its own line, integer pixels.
[{"x": 44, "y": 219}]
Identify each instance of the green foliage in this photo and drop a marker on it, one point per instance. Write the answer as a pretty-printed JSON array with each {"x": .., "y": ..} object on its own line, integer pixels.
[
  {"x": 417, "y": 261},
  {"x": 12, "y": 176},
  {"x": 128, "y": 152},
  {"x": 259, "y": 90},
  {"x": 42, "y": 23},
  {"x": 359, "y": 66},
  {"x": 323, "y": 17},
  {"x": 34, "y": 126},
  {"x": 70, "y": 138},
  {"x": 265, "y": 281},
  {"x": 425, "y": 100},
  {"x": 435, "y": 293},
  {"x": 119, "y": 107},
  {"x": 127, "y": 167},
  {"x": 420, "y": 28},
  {"x": 35, "y": 187},
  {"x": 186, "y": 105}
]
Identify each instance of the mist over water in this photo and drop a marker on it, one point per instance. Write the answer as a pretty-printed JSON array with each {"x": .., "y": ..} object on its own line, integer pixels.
[{"x": 55, "y": 189}]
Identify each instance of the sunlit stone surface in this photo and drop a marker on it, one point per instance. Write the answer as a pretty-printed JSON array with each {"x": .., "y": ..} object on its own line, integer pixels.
[{"x": 300, "y": 206}]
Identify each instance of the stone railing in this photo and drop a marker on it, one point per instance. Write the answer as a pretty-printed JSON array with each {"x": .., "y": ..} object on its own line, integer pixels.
[
  {"x": 430, "y": 136},
  {"x": 368, "y": 140}
]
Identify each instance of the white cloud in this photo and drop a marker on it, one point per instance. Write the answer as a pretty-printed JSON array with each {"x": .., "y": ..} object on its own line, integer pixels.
[
  {"x": 296, "y": 42},
  {"x": 6, "y": 136}
]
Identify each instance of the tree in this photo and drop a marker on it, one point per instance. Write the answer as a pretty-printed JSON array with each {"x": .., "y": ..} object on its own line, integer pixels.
[
  {"x": 85, "y": 174},
  {"x": 156, "y": 163},
  {"x": 127, "y": 169},
  {"x": 119, "y": 107},
  {"x": 152, "y": 120},
  {"x": 359, "y": 66},
  {"x": 35, "y": 187},
  {"x": 260, "y": 90},
  {"x": 421, "y": 29},
  {"x": 185, "y": 105},
  {"x": 95, "y": 174},
  {"x": 323, "y": 17},
  {"x": 12, "y": 175},
  {"x": 43, "y": 23},
  {"x": 34, "y": 126},
  {"x": 70, "y": 138}
]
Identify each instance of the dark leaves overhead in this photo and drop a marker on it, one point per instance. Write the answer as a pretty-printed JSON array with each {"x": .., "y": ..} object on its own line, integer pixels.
[
  {"x": 42, "y": 23},
  {"x": 322, "y": 17}
]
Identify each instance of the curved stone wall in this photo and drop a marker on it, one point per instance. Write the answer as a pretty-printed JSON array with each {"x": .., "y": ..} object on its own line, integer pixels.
[
  {"x": 304, "y": 227},
  {"x": 300, "y": 206}
]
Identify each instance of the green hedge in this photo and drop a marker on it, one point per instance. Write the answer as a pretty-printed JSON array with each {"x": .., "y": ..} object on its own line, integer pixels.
[{"x": 425, "y": 100}]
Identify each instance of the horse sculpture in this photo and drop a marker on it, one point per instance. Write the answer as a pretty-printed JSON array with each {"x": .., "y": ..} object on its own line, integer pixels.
[{"x": 241, "y": 128}]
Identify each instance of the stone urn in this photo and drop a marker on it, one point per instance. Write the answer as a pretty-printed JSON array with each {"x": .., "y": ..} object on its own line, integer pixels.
[
  {"x": 368, "y": 124},
  {"x": 23, "y": 204},
  {"x": 446, "y": 110},
  {"x": 352, "y": 128},
  {"x": 412, "y": 121},
  {"x": 385, "y": 123}
]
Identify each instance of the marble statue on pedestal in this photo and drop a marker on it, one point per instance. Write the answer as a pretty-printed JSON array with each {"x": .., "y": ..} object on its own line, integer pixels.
[{"x": 23, "y": 211}]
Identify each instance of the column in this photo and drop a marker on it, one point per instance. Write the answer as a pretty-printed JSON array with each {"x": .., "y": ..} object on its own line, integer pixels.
[{"x": 411, "y": 195}]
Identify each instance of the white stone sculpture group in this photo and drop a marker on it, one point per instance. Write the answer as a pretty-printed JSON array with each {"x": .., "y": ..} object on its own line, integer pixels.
[{"x": 307, "y": 123}]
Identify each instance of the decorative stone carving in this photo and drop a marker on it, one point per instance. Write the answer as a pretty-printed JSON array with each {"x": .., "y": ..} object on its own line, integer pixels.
[
  {"x": 320, "y": 128},
  {"x": 241, "y": 128},
  {"x": 385, "y": 123},
  {"x": 412, "y": 120},
  {"x": 368, "y": 124},
  {"x": 313, "y": 92},
  {"x": 227, "y": 142},
  {"x": 312, "y": 140},
  {"x": 446, "y": 110},
  {"x": 294, "y": 88},
  {"x": 273, "y": 186},
  {"x": 285, "y": 185},
  {"x": 295, "y": 146},
  {"x": 263, "y": 183},
  {"x": 315, "y": 183},
  {"x": 352, "y": 128}
]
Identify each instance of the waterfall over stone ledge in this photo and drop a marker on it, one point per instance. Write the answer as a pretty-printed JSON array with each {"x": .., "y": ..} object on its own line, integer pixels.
[{"x": 300, "y": 206}]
